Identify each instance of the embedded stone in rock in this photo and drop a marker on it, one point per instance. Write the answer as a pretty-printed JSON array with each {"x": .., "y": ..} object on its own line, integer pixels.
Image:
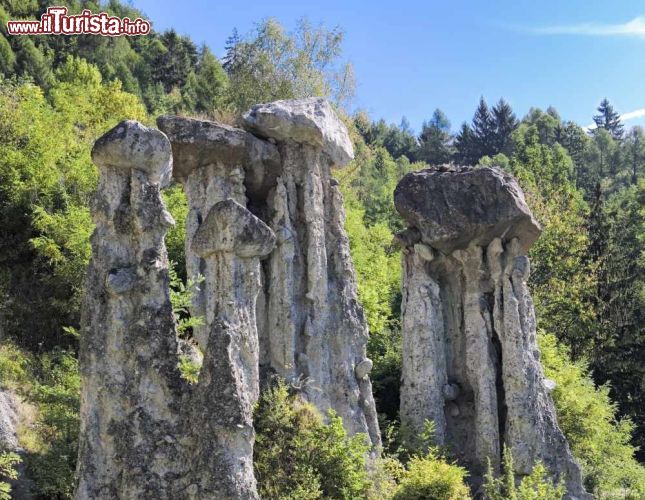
[
  {"x": 307, "y": 121},
  {"x": 131, "y": 145},
  {"x": 230, "y": 227},
  {"x": 462, "y": 206},
  {"x": 196, "y": 143}
]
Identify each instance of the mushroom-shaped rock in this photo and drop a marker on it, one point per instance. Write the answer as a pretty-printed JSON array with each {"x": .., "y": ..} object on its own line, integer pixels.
[
  {"x": 466, "y": 205},
  {"x": 307, "y": 121},
  {"x": 196, "y": 143},
  {"x": 231, "y": 228},
  {"x": 131, "y": 145}
]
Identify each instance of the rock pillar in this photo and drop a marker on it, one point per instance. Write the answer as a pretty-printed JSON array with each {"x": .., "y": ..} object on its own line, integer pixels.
[{"x": 471, "y": 362}]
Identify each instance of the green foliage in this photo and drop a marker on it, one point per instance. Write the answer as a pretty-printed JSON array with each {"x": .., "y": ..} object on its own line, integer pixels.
[
  {"x": 177, "y": 204},
  {"x": 299, "y": 456},
  {"x": 430, "y": 477},
  {"x": 535, "y": 486},
  {"x": 272, "y": 64},
  {"x": 51, "y": 459},
  {"x": 8, "y": 462},
  {"x": 587, "y": 418},
  {"x": 622, "y": 285}
]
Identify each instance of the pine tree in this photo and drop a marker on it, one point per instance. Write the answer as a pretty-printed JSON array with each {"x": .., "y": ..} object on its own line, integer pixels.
[
  {"x": 609, "y": 120},
  {"x": 232, "y": 46},
  {"x": 505, "y": 122},
  {"x": 433, "y": 140},
  {"x": 466, "y": 146},
  {"x": 211, "y": 82},
  {"x": 484, "y": 130}
]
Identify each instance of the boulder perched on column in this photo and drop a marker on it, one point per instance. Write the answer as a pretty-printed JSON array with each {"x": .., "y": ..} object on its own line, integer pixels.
[
  {"x": 131, "y": 388},
  {"x": 471, "y": 362},
  {"x": 215, "y": 162},
  {"x": 314, "y": 330},
  {"x": 231, "y": 240}
]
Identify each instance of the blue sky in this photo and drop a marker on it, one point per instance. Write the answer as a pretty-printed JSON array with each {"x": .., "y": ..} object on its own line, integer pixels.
[{"x": 413, "y": 56}]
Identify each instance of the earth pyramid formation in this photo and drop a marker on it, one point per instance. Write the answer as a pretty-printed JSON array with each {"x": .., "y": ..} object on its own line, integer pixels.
[
  {"x": 471, "y": 363},
  {"x": 278, "y": 298}
]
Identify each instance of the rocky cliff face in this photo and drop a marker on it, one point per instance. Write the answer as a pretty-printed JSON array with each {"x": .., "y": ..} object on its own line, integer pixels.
[
  {"x": 470, "y": 358},
  {"x": 131, "y": 386},
  {"x": 265, "y": 194}
]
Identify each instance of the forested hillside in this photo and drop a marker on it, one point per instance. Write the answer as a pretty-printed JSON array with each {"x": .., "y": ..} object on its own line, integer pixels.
[{"x": 58, "y": 94}]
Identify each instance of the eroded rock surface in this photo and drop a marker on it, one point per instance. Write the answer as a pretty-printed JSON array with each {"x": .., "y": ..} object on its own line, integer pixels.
[
  {"x": 470, "y": 358},
  {"x": 146, "y": 432},
  {"x": 131, "y": 386},
  {"x": 215, "y": 162},
  {"x": 314, "y": 331},
  {"x": 231, "y": 240}
]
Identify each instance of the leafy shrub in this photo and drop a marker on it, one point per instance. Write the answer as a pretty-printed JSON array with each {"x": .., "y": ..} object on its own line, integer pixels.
[
  {"x": 8, "y": 462},
  {"x": 431, "y": 477},
  {"x": 299, "y": 456},
  {"x": 587, "y": 417},
  {"x": 535, "y": 486},
  {"x": 51, "y": 458}
]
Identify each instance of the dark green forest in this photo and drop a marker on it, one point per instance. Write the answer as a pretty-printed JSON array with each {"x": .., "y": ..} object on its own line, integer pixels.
[{"x": 58, "y": 94}]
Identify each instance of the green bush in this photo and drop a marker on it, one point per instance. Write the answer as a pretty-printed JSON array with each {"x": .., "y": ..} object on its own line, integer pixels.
[
  {"x": 8, "y": 462},
  {"x": 535, "y": 486},
  {"x": 431, "y": 477},
  {"x": 51, "y": 458},
  {"x": 587, "y": 417},
  {"x": 299, "y": 456}
]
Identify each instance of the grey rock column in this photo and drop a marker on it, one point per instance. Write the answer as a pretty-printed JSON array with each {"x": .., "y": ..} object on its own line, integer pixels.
[
  {"x": 131, "y": 388},
  {"x": 473, "y": 228},
  {"x": 315, "y": 330},
  {"x": 215, "y": 162},
  {"x": 231, "y": 240}
]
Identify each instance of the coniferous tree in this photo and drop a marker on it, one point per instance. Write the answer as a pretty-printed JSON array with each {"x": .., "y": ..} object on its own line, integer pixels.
[
  {"x": 484, "y": 130},
  {"x": 232, "y": 47},
  {"x": 466, "y": 146},
  {"x": 505, "y": 123},
  {"x": 434, "y": 139},
  {"x": 609, "y": 119}
]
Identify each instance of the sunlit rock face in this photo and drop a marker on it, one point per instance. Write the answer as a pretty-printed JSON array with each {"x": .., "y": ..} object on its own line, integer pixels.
[
  {"x": 131, "y": 388},
  {"x": 470, "y": 358},
  {"x": 312, "y": 331},
  {"x": 265, "y": 230}
]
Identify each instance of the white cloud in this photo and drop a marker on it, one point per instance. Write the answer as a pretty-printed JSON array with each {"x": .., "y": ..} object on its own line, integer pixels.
[
  {"x": 637, "y": 113},
  {"x": 634, "y": 28}
]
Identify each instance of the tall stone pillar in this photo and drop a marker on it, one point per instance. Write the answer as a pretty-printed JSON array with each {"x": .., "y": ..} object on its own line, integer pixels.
[
  {"x": 231, "y": 240},
  {"x": 215, "y": 162},
  {"x": 131, "y": 388},
  {"x": 470, "y": 357},
  {"x": 315, "y": 330}
]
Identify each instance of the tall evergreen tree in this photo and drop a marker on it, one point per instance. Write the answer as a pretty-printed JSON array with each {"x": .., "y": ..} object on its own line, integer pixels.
[
  {"x": 232, "y": 48},
  {"x": 434, "y": 140},
  {"x": 466, "y": 146},
  {"x": 484, "y": 130},
  {"x": 609, "y": 119},
  {"x": 505, "y": 123}
]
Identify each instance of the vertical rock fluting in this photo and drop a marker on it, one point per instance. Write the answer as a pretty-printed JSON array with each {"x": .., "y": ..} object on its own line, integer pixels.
[
  {"x": 314, "y": 329},
  {"x": 215, "y": 162},
  {"x": 131, "y": 387},
  {"x": 231, "y": 240},
  {"x": 470, "y": 358}
]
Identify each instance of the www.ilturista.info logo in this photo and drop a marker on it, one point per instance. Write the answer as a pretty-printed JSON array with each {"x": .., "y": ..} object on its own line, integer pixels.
[{"x": 56, "y": 22}]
